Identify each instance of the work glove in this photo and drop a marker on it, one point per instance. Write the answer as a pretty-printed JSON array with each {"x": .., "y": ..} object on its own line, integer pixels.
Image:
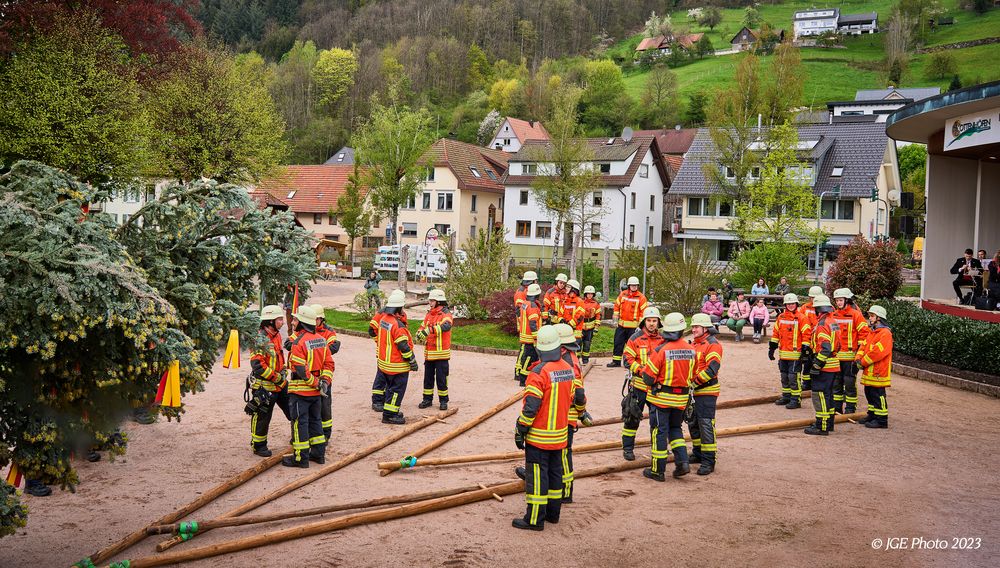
[
  {"x": 324, "y": 389},
  {"x": 814, "y": 372},
  {"x": 421, "y": 336},
  {"x": 806, "y": 352},
  {"x": 335, "y": 347},
  {"x": 648, "y": 378},
  {"x": 614, "y": 321},
  {"x": 771, "y": 350},
  {"x": 413, "y": 365},
  {"x": 586, "y": 419},
  {"x": 519, "y": 440}
]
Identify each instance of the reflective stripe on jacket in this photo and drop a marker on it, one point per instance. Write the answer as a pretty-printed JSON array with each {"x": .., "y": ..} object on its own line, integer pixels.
[
  {"x": 437, "y": 325},
  {"x": 629, "y": 307},
  {"x": 672, "y": 363},
  {"x": 708, "y": 360},
  {"x": 309, "y": 362},
  {"x": 268, "y": 362},
  {"x": 853, "y": 331},
  {"x": 553, "y": 383},
  {"x": 790, "y": 332},
  {"x": 636, "y": 354},
  {"x": 875, "y": 358}
]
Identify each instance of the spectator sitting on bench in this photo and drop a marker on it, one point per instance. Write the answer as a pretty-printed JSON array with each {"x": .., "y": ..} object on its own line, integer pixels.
[
  {"x": 739, "y": 314},
  {"x": 713, "y": 307},
  {"x": 708, "y": 293},
  {"x": 759, "y": 289},
  {"x": 759, "y": 317},
  {"x": 782, "y": 288},
  {"x": 967, "y": 270}
]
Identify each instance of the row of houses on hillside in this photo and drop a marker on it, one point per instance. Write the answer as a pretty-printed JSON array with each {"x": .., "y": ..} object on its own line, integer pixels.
[{"x": 818, "y": 21}]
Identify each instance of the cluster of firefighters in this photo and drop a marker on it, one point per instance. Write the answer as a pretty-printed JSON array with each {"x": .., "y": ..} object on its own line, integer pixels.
[{"x": 819, "y": 346}]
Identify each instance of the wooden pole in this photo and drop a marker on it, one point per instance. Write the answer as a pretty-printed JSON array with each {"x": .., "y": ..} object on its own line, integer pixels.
[
  {"x": 202, "y": 500},
  {"x": 174, "y": 528},
  {"x": 324, "y": 471},
  {"x": 385, "y": 468},
  {"x": 329, "y": 525},
  {"x": 616, "y": 444},
  {"x": 723, "y": 404}
]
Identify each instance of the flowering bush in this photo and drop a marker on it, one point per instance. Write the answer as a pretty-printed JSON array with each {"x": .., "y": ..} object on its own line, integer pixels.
[
  {"x": 873, "y": 269},
  {"x": 500, "y": 307}
]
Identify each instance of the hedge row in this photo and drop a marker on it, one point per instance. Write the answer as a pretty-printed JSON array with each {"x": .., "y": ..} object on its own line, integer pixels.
[{"x": 938, "y": 338}]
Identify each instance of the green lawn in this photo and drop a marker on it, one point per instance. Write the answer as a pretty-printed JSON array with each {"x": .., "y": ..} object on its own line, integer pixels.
[{"x": 475, "y": 335}]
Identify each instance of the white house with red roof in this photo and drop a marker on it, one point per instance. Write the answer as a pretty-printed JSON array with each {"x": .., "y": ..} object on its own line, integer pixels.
[{"x": 514, "y": 132}]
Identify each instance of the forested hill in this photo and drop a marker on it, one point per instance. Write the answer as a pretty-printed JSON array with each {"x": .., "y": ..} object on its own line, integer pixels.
[{"x": 504, "y": 29}]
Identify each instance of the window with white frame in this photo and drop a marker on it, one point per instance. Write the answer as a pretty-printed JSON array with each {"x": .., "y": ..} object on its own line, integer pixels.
[
  {"x": 475, "y": 171},
  {"x": 595, "y": 231},
  {"x": 837, "y": 209},
  {"x": 649, "y": 237},
  {"x": 411, "y": 202},
  {"x": 409, "y": 229},
  {"x": 730, "y": 173},
  {"x": 543, "y": 229},
  {"x": 838, "y": 171},
  {"x": 644, "y": 170},
  {"x": 598, "y": 199},
  {"x": 425, "y": 203},
  {"x": 523, "y": 197},
  {"x": 697, "y": 206},
  {"x": 631, "y": 234},
  {"x": 529, "y": 169},
  {"x": 473, "y": 201},
  {"x": 755, "y": 173},
  {"x": 445, "y": 201},
  {"x": 604, "y": 167},
  {"x": 429, "y": 173}
]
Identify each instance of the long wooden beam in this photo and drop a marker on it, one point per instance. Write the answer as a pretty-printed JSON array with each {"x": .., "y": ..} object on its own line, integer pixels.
[{"x": 723, "y": 404}]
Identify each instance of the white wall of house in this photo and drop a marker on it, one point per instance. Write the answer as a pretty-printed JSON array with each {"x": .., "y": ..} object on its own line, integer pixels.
[
  {"x": 124, "y": 204},
  {"x": 857, "y": 29},
  {"x": 883, "y": 110},
  {"x": 441, "y": 205},
  {"x": 505, "y": 139},
  {"x": 820, "y": 21}
]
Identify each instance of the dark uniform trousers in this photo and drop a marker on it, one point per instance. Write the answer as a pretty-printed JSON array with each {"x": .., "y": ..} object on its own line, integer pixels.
[
  {"x": 395, "y": 388},
  {"x": 789, "y": 371},
  {"x": 543, "y": 484},
  {"x": 702, "y": 428},
  {"x": 586, "y": 341},
  {"x": 326, "y": 415},
  {"x": 525, "y": 359},
  {"x": 822, "y": 397},
  {"x": 630, "y": 427},
  {"x": 878, "y": 408},
  {"x": 667, "y": 436},
  {"x": 260, "y": 422},
  {"x": 567, "y": 466},
  {"x": 845, "y": 386},
  {"x": 621, "y": 338},
  {"x": 307, "y": 427},
  {"x": 436, "y": 371}
]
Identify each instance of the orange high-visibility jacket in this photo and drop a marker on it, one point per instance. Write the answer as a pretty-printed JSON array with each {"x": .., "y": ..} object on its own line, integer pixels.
[
  {"x": 672, "y": 363},
  {"x": 810, "y": 313},
  {"x": 629, "y": 308},
  {"x": 708, "y": 360},
  {"x": 875, "y": 357},
  {"x": 553, "y": 384},
  {"x": 572, "y": 313},
  {"x": 520, "y": 296},
  {"x": 395, "y": 344},
  {"x": 529, "y": 320},
  {"x": 552, "y": 302},
  {"x": 327, "y": 334},
  {"x": 267, "y": 361},
  {"x": 437, "y": 325},
  {"x": 636, "y": 354},
  {"x": 310, "y": 362},
  {"x": 591, "y": 313},
  {"x": 853, "y": 330},
  {"x": 580, "y": 405},
  {"x": 790, "y": 332},
  {"x": 826, "y": 343}
]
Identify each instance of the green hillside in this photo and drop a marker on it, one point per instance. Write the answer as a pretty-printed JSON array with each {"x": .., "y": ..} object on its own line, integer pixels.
[{"x": 835, "y": 73}]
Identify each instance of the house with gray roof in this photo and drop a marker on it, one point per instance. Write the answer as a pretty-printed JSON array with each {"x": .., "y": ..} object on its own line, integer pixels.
[
  {"x": 344, "y": 156},
  {"x": 878, "y": 102},
  {"x": 858, "y": 24},
  {"x": 843, "y": 160}
]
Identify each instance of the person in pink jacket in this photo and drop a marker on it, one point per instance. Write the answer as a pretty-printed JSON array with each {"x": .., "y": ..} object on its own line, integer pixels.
[
  {"x": 760, "y": 317},
  {"x": 739, "y": 315},
  {"x": 713, "y": 307}
]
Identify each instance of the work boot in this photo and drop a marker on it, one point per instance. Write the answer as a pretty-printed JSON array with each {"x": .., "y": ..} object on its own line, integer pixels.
[
  {"x": 614, "y": 364},
  {"x": 36, "y": 488},
  {"x": 93, "y": 456},
  {"x": 262, "y": 451},
  {"x": 815, "y": 431},
  {"x": 785, "y": 399},
  {"x": 143, "y": 416},
  {"x": 706, "y": 468},
  {"x": 290, "y": 461},
  {"x": 850, "y": 408},
  {"x": 682, "y": 469},
  {"x": 585, "y": 360},
  {"x": 318, "y": 458},
  {"x": 867, "y": 419},
  {"x": 793, "y": 404},
  {"x": 393, "y": 418},
  {"x": 565, "y": 499},
  {"x": 520, "y": 523},
  {"x": 520, "y": 471},
  {"x": 695, "y": 457},
  {"x": 876, "y": 424},
  {"x": 628, "y": 454},
  {"x": 648, "y": 473},
  {"x": 425, "y": 403},
  {"x": 443, "y": 405},
  {"x": 377, "y": 407}
]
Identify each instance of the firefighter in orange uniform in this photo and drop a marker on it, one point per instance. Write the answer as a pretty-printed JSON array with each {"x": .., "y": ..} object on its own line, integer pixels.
[
  {"x": 591, "y": 321},
  {"x": 436, "y": 330},
  {"x": 701, "y": 423},
  {"x": 578, "y": 410},
  {"x": 572, "y": 309},
  {"x": 395, "y": 358},
  {"x": 629, "y": 307},
  {"x": 790, "y": 337},
  {"x": 333, "y": 344},
  {"x": 853, "y": 332},
  {"x": 529, "y": 321},
  {"x": 636, "y": 354},
  {"x": 825, "y": 366},
  {"x": 521, "y": 294},
  {"x": 542, "y": 431},
  {"x": 805, "y": 363},
  {"x": 552, "y": 303},
  {"x": 875, "y": 360},
  {"x": 668, "y": 374},
  {"x": 311, "y": 366},
  {"x": 267, "y": 367}
]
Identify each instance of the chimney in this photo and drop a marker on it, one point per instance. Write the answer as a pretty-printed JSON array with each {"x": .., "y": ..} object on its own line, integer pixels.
[{"x": 531, "y": 123}]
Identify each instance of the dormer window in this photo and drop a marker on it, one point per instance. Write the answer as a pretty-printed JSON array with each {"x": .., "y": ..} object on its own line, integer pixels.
[
  {"x": 529, "y": 169},
  {"x": 838, "y": 171},
  {"x": 730, "y": 173},
  {"x": 604, "y": 168}
]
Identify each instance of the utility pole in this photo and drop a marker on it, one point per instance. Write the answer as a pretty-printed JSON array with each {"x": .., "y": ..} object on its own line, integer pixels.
[{"x": 645, "y": 257}]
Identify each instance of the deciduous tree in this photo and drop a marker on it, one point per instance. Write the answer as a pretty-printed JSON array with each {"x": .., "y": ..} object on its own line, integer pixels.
[
  {"x": 351, "y": 212},
  {"x": 333, "y": 74}
]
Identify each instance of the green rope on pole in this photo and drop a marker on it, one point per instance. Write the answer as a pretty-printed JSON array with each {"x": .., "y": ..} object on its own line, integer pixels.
[
  {"x": 85, "y": 563},
  {"x": 122, "y": 564},
  {"x": 408, "y": 461},
  {"x": 188, "y": 528}
]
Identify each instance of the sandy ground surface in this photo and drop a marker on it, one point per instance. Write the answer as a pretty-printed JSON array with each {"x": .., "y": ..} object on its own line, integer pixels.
[{"x": 775, "y": 499}]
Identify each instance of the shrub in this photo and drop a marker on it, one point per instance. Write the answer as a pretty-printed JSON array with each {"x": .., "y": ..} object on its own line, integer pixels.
[
  {"x": 873, "y": 269},
  {"x": 939, "y": 338},
  {"x": 479, "y": 275},
  {"x": 500, "y": 307},
  {"x": 678, "y": 283},
  {"x": 769, "y": 261},
  {"x": 365, "y": 307},
  {"x": 942, "y": 64}
]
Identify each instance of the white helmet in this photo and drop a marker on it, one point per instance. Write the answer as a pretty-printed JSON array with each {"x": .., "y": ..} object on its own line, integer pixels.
[
  {"x": 704, "y": 320},
  {"x": 560, "y": 277},
  {"x": 815, "y": 291},
  {"x": 437, "y": 295},
  {"x": 306, "y": 315},
  {"x": 790, "y": 298},
  {"x": 565, "y": 333},
  {"x": 548, "y": 339},
  {"x": 879, "y": 311},
  {"x": 843, "y": 293},
  {"x": 589, "y": 290},
  {"x": 396, "y": 299},
  {"x": 530, "y": 276},
  {"x": 674, "y": 322},
  {"x": 534, "y": 290},
  {"x": 318, "y": 310},
  {"x": 821, "y": 301},
  {"x": 633, "y": 281},
  {"x": 574, "y": 285},
  {"x": 651, "y": 312},
  {"x": 271, "y": 312}
]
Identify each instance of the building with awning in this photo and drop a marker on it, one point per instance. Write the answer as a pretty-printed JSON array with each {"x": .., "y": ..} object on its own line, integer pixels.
[{"x": 962, "y": 132}]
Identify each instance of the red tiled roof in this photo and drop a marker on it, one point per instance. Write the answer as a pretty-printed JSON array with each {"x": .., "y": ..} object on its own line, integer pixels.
[
  {"x": 309, "y": 189},
  {"x": 525, "y": 130},
  {"x": 688, "y": 41},
  {"x": 650, "y": 43},
  {"x": 674, "y": 163},
  {"x": 663, "y": 42},
  {"x": 265, "y": 200},
  {"x": 672, "y": 140},
  {"x": 461, "y": 157}
]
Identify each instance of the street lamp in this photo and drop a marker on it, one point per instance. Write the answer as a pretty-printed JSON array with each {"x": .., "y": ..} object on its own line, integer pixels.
[{"x": 835, "y": 192}]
